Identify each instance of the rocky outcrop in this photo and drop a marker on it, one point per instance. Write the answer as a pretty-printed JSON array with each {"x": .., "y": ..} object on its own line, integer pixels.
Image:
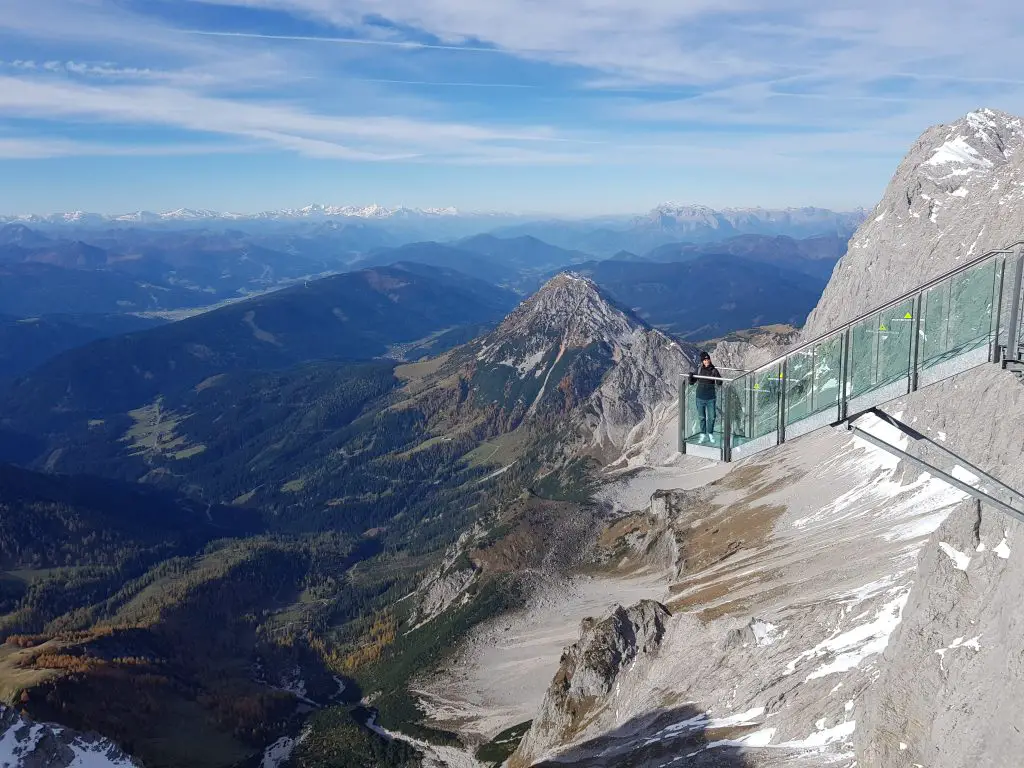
[
  {"x": 587, "y": 673},
  {"x": 747, "y": 350},
  {"x": 25, "y": 744}
]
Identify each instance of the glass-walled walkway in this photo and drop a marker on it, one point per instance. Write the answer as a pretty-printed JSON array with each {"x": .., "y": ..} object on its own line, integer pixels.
[{"x": 966, "y": 318}]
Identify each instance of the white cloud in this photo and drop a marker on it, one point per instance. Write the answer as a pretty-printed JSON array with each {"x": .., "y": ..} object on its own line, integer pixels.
[
  {"x": 34, "y": 148},
  {"x": 775, "y": 83},
  {"x": 703, "y": 41},
  {"x": 352, "y": 137}
]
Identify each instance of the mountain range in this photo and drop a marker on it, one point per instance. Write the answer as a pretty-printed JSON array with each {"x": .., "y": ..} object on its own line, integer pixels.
[
  {"x": 315, "y": 210},
  {"x": 670, "y": 214},
  {"x": 334, "y": 463},
  {"x": 708, "y": 296},
  {"x": 672, "y": 222},
  {"x": 430, "y": 511},
  {"x": 353, "y": 316}
]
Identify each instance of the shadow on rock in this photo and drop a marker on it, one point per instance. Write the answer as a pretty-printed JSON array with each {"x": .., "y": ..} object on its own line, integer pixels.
[{"x": 680, "y": 736}]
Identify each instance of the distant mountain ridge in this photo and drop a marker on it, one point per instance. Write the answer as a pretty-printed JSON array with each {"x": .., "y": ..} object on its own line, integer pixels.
[
  {"x": 669, "y": 213},
  {"x": 813, "y": 256},
  {"x": 519, "y": 262},
  {"x": 673, "y": 222},
  {"x": 352, "y": 316},
  {"x": 315, "y": 210},
  {"x": 25, "y": 342},
  {"x": 709, "y": 295}
]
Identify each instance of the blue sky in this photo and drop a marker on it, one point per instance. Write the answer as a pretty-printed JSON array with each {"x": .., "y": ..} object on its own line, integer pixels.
[{"x": 561, "y": 106}]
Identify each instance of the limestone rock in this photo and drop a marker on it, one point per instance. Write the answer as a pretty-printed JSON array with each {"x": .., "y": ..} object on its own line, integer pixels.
[{"x": 588, "y": 671}]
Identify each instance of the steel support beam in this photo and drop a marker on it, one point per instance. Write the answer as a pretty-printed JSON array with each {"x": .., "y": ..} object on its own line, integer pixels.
[
  {"x": 682, "y": 413},
  {"x": 915, "y": 342},
  {"x": 916, "y": 436},
  {"x": 935, "y": 472},
  {"x": 1013, "y": 336}
]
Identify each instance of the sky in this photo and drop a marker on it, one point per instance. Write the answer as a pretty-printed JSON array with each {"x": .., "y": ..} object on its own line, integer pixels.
[{"x": 571, "y": 107}]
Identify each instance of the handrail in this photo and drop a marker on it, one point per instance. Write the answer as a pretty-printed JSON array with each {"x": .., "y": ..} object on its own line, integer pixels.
[
  {"x": 836, "y": 406},
  {"x": 899, "y": 299},
  {"x": 709, "y": 378}
]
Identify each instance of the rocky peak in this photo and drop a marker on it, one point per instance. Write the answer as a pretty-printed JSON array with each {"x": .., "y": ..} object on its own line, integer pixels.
[
  {"x": 672, "y": 215},
  {"x": 588, "y": 671},
  {"x": 569, "y": 349},
  {"x": 956, "y": 195},
  {"x": 571, "y": 308}
]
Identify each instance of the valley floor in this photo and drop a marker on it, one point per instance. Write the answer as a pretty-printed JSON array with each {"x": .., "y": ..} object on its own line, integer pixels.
[{"x": 499, "y": 677}]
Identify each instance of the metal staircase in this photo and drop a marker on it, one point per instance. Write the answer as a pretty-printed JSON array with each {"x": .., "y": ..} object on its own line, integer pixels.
[{"x": 968, "y": 317}]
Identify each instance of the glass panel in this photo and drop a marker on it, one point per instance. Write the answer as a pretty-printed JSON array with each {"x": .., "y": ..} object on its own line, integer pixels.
[
  {"x": 692, "y": 428},
  {"x": 799, "y": 386},
  {"x": 880, "y": 349},
  {"x": 934, "y": 324},
  {"x": 740, "y": 413},
  {"x": 863, "y": 356},
  {"x": 828, "y": 356},
  {"x": 970, "y": 312},
  {"x": 767, "y": 386},
  {"x": 958, "y": 315},
  {"x": 895, "y": 332}
]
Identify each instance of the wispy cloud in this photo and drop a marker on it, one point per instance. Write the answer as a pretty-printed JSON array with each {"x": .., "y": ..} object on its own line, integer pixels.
[
  {"x": 90, "y": 69},
  {"x": 794, "y": 86},
  {"x": 351, "y": 137},
  {"x": 441, "y": 84},
  {"x": 670, "y": 42},
  {"x": 406, "y": 44},
  {"x": 26, "y": 148}
]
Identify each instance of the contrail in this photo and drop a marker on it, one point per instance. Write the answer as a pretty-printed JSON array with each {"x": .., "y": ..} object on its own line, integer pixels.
[
  {"x": 349, "y": 41},
  {"x": 446, "y": 85}
]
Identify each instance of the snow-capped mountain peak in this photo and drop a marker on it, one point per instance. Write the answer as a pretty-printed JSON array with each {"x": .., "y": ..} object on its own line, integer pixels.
[
  {"x": 980, "y": 141},
  {"x": 957, "y": 194},
  {"x": 312, "y": 211}
]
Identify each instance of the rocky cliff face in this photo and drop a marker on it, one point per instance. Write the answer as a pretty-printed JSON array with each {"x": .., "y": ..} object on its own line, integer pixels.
[
  {"x": 25, "y": 744},
  {"x": 957, "y": 194},
  {"x": 956, "y": 659}
]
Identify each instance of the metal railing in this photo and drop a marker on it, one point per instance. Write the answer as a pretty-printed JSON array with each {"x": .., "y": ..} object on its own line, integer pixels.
[{"x": 967, "y": 317}]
